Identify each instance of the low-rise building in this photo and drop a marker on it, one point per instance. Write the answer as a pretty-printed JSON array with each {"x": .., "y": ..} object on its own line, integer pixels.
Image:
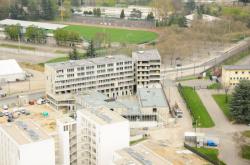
[
  {"x": 100, "y": 133},
  {"x": 233, "y": 74},
  {"x": 147, "y": 67},
  {"x": 24, "y": 143}
]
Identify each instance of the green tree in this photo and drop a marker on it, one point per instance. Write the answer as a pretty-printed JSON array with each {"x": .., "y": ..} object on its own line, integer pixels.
[
  {"x": 74, "y": 55},
  {"x": 67, "y": 9},
  {"x": 76, "y": 3},
  {"x": 91, "y": 53},
  {"x": 190, "y": 6},
  {"x": 66, "y": 37},
  {"x": 97, "y": 12},
  {"x": 13, "y": 32},
  {"x": 35, "y": 35},
  {"x": 17, "y": 12},
  {"x": 240, "y": 103},
  {"x": 33, "y": 9},
  {"x": 150, "y": 16},
  {"x": 48, "y": 9},
  {"x": 122, "y": 15}
]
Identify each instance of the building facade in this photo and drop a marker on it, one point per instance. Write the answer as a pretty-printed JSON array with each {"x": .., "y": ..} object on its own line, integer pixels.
[
  {"x": 24, "y": 143},
  {"x": 67, "y": 135},
  {"x": 233, "y": 74},
  {"x": 147, "y": 67},
  {"x": 100, "y": 133},
  {"x": 111, "y": 75}
]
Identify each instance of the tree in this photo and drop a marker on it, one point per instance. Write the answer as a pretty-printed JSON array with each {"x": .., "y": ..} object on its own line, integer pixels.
[
  {"x": 4, "y": 9},
  {"x": 244, "y": 1},
  {"x": 35, "y": 35},
  {"x": 240, "y": 103},
  {"x": 91, "y": 50},
  {"x": 150, "y": 16},
  {"x": 66, "y": 37},
  {"x": 190, "y": 6},
  {"x": 74, "y": 55},
  {"x": 76, "y": 3},
  {"x": 33, "y": 9},
  {"x": 97, "y": 12},
  {"x": 17, "y": 12},
  {"x": 122, "y": 15},
  {"x": 48, "y": 9},
  {"x": 135, "y": 13},
  {"x": 13, "y": 32}
]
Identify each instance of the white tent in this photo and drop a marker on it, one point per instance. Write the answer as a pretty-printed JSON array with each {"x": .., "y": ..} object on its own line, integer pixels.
[{"x": 11, "y": 71}]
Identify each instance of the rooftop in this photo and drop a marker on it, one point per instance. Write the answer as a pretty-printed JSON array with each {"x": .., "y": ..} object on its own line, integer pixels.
[
  {"x": 48, "y": 26},
  {"x": 102, "y": 115},
  {"x": 24, "y": 132},
  {"x": 146, "y": 55},
  {"x": 237, "y": 67},
  {"x": 152, "y": 97},
  {"x": 8, "y": 67},
  {"x": 90, "y": 61}
]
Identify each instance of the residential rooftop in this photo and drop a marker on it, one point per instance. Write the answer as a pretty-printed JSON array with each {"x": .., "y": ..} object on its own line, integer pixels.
[
  {"x": 102, "y": 115},
  {"x": 152, "y": 97},
  {"x": 66, "y": 120},
  {"x": 25, "y": 24},
  {"x": 236, "y": 67},
  {"x": 24, "y": 132},
  {"x": 90, "y": 61},
  {"x": 146, "y": 55}
]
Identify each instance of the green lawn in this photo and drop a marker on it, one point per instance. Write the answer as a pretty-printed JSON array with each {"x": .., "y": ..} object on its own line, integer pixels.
[
  {"x": 115, "y": 34},
  {"x": 197, "y": 108},
  {"x": 246, "y": 133},
  {"x": 16, "y": 46},
  {"x": 214, "y": 86},
  {"x": 212, "y": 153},
  {"x": 245, "y": 152},
  {"x": 220, "y": 99},
  {"x": 234, "y": 59}
]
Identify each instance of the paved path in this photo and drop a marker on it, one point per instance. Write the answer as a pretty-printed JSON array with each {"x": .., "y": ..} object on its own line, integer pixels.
[{"x": 224, "y": 130}]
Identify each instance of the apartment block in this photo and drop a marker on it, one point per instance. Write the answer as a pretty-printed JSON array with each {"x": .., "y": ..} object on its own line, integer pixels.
[
  {"x": 111, "y": 75},
  {"x": 232, "y": 74},
  {"x": 67, "y": 135},
  {"x": 100, "y": 133},
  {"x": 147, "y": 67},
  {"x": 24, "y": 143}
]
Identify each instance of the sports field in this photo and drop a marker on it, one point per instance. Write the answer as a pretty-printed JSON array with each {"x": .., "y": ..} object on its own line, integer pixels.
[{"x": 115, "y": 34}]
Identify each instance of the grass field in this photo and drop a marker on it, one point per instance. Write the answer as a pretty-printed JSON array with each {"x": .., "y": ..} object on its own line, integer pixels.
[
  {"x": 220, "y": 99},
  {"x": 212, "y": 153},
  {"x": 197, "y": 108},
  {"x": 246, "y": 133},
  {"x": 245, "y": 152},
  {"x": 214, "y": 86},
  {"x": 16, "y": 46},
  {"x": 114, "y": 34}
]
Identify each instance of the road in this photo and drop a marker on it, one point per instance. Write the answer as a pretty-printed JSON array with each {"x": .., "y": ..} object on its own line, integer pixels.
[
  {"x": 229, "y": 148},
  {"x": 11, "y": 100}
]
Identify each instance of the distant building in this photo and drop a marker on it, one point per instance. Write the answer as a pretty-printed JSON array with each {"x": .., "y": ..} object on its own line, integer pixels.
[
  {"x": 11, "y": 71},
  {"x": 24, "y": 143},
  {"x": 67, "y": 139},
  {"x": 147, "y": 67},
  {"x": 100, "y": 133},
  {"x": 232, "y": 74}
]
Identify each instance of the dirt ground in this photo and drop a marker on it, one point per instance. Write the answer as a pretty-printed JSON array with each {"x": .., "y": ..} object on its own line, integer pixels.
[{"x": 35, "y": 83}]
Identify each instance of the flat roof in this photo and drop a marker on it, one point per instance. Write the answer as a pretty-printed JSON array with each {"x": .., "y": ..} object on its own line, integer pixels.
[
  {"x": 8, "y": 67},
  {"x": 24, "y": 132},
  {"x": 90, "y": 61},
  {"x": 43, "y": 25},
  {"x": 102, "y": 115},
  {"x": 236, "y": 67},
  {"x": 146, "y": 55},
  {"x": 152, "y": 97},
  {"x": 139, "y": 155},
  {"x": 66, "y": 120}
]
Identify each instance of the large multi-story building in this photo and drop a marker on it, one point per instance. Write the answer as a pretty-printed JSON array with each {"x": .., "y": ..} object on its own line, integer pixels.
[
  {"x": 100, "y": 133},
  {"x": 232, "y": 74},
  {"x": 111, "y": 75},
  {"x": 147, "y": 67},
  {"x": 67, "y": 135},
  {"x": 24, "y": 143}
]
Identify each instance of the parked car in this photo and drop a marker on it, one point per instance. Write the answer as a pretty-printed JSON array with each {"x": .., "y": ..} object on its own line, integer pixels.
[
  {"x": 211, "y": 143},
  {"x": 41, "y": 101}
]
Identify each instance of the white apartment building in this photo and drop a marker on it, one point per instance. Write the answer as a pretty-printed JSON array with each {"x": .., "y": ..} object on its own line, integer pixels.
[
  {"x": 100, "y": 133},
  {"x": 67, "y": 135},
  {"x": 233, "y": 74},
  {"x": 147, "y": 67},
  {"x": 24, "y": 143},
  {"x": 111, "y": 75}
]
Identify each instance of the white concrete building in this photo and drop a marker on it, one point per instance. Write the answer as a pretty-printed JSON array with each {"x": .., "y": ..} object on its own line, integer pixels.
[
  {"x": 147, "y": 67},
  {"x": 67, "y": 135},
  {"x": 100, "y": 133},
  {"x": 111, "y": 75},
  {"x": 24, "y": 143},
  {"x": 11, "y": 71}
]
